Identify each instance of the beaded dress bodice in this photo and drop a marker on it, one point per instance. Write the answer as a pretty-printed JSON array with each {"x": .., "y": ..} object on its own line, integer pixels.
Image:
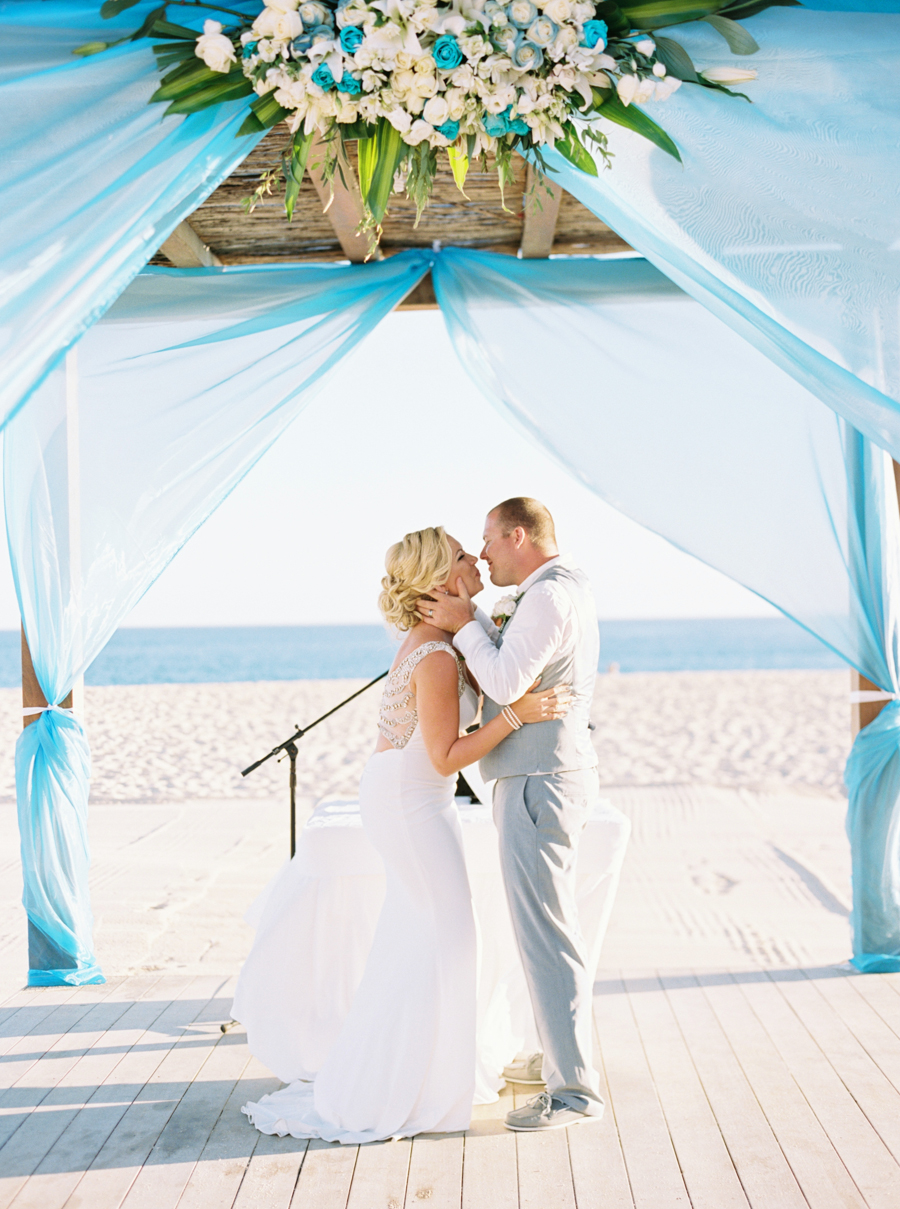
[{"x": 397, "y": 717}]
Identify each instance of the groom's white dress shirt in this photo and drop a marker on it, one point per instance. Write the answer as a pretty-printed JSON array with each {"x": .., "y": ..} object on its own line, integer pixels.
[{"x": 544, "y": 631}]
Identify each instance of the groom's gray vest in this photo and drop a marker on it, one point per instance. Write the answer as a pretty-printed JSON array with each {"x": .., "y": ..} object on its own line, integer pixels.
[{"x": 564, "y": 744}]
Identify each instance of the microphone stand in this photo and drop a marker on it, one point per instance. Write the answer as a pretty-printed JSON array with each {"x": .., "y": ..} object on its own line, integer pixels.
[{"x": 289, "y": 748}]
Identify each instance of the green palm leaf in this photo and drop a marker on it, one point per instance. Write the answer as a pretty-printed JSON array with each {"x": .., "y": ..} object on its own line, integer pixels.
[{"x": 632, "y": 118}]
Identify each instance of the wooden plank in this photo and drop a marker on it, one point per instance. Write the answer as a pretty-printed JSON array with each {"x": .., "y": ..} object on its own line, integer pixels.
[
  {"x": 138, "y": 1123},
  {"x": 817, "y": 1167},
  {"x": 38, "y": 1107},
  {"x": 381, "y": 1176},
  {"x": 45, "y": 1033},
  {"x": 758, "y": 1159},
  {"x": 435, "y": 1171},
  {"x": 489, "y": 1174},
  {"x": 271, "y": 1173},
  {"x": 862, "y": 1152},
  {"x": 78, "y": 1127},
  {"x": 186, "y": 250},
  {"x": 870, "y": 1029},
  {"x": 863, "y": 1078},
  {"x": 654, "y": 1176},
  {"x": 217, "y": 1176},
  {"x": 545, "y": 1173},
  {"x": 706, "y": 1165},
  {"x": 595, "y": 1154},
  {"x": 170, "y": 1164},
  {"x": 541, "y": 210},
  {"x": 325, "y": 1176},
  {"x": 876, "y": 990}
]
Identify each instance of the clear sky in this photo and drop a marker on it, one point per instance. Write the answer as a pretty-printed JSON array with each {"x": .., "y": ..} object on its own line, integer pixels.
[{"x": 400, "y": 439}]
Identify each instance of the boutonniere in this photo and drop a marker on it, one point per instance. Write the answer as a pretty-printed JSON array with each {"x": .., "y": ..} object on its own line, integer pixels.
[{"x": 504, "y": 609}]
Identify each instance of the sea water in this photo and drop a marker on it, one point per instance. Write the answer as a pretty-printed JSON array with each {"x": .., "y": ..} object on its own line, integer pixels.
[{"x": 234, "y": 653}]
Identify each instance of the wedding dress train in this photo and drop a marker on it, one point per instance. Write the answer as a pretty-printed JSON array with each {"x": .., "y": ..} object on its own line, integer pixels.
[{"x": 404, "y": 1060}]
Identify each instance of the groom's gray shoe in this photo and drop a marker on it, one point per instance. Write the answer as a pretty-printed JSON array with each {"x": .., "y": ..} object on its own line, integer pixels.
[
  {"x": 525, "y": 1070},
  {"x": 546, "y": 1112}
]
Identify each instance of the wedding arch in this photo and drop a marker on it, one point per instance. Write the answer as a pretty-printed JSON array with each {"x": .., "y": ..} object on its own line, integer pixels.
[{"x": 731, "y": 382}]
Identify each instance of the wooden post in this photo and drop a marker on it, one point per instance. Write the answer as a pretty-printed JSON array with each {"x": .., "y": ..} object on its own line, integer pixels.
[
  {"x": 864, "y": 712},
  {"x": 32, "y": 694}
]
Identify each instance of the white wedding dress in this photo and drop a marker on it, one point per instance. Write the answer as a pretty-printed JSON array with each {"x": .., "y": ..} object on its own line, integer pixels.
[{"x": 404, "y": 1060}]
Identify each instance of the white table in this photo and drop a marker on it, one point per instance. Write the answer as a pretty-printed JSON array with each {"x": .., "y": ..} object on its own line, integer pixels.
[{"x": 315, "y": 922}]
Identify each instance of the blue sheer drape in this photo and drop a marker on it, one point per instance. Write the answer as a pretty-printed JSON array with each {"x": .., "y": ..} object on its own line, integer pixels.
[
  {"x": 783, "y": 218},
  {"x": 182, "y": 387},
  {"x": 92, "y": 178},
  {"x": 663, "y": 411}
]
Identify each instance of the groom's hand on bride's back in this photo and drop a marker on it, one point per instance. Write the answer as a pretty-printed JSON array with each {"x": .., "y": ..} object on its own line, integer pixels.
[{"x": 447, "y": 612}]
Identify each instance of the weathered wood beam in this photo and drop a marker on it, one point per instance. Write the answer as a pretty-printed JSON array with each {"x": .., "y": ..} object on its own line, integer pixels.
[
  {"x": 342, "y": 203},
  {"x": 420, "y": 298},
  {"x": 541, "y": 213},
  {"x": 186, "y": 249},
  {"x": 864, "y": 712}
]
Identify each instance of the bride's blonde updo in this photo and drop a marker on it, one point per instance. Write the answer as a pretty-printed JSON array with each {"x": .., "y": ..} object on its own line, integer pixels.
[{"x": 414, "y": 566}]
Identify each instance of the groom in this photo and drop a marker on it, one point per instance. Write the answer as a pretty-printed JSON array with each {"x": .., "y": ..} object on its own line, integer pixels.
[{"x": 546, "y": 785}]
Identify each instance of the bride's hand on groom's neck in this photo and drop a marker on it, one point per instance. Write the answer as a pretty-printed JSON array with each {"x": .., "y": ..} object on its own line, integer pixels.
[{"x": 445, "y": 611}]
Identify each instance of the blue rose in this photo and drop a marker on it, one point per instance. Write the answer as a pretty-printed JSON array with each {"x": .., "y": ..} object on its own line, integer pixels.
[
  {"x": 506, "y": 39},
  {"x": 301, "y": 45},
  {"x": 249, "y": 50},
  {"x": 449, "y": 130},
  {"x": 494, "y": 124},
  {"x": 446, "y": 52},
  {"x": 323, "y": 78},
  {"x": 514, "y": 125},
  {"x": 521, "y": 13},
  {"x": 542, "y": 31},
  {"x": 593, "y": 32},
  {"x": 349, "y": 84},
  {"x": 527, "y": 56},
  {"x": 351, "y": 38}
]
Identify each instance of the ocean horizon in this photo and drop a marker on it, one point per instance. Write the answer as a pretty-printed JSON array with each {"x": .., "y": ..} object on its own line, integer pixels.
[{"x": 222, "y": 654}]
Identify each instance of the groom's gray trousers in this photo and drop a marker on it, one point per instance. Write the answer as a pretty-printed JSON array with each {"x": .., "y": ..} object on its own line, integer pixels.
[{"x": 540, "y": 820}]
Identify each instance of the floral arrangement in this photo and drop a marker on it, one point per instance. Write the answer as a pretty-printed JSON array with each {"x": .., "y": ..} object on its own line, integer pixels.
[
  {"x": 478, "y": 80},
  {"x": 504, "y": 609}
]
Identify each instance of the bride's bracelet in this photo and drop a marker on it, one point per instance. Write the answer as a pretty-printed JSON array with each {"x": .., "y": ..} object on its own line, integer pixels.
[{"x": 511, "y": 718}]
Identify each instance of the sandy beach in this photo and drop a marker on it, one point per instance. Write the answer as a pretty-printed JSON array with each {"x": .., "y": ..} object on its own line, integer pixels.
[
  {"x": 732, "y": 781},
  {"x": 760, "y": 730}
]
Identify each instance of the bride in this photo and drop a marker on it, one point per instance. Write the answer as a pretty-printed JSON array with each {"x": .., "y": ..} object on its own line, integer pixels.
[{"x": 404, "y": 1060}]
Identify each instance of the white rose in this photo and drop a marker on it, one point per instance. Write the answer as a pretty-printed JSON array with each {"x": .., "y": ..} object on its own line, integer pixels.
[
  {"x": 729, "y": 75},
  {"x": 414, "y": 103},
  {"x": 418, "y": 132},
  {"x": 582, "y": 12},
  {"x": 626, "y": 88},
  {"x": 214, "y": 48},
  {"x": 283, "y": 6},
  {"x": 424, "y": 85},
  {"x": 281, "y": 26},
  {"x": 399, "y": 119},
  {"x": 402, "y": 81},
  {"x": 505, "y": 607},
  {"x": 456, "y": 103},
  {"x": 558, "y": 10},
  {"x": 436, "y": 111}
]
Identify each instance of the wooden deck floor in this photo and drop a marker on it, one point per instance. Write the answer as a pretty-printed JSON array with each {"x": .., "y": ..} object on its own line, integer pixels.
[
  {"x": 743, "y": 1064},
  {"x": 769, "y": 1089}
]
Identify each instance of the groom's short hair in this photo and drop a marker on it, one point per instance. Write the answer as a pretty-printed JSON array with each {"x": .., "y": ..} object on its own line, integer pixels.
[{"x": 521, "y": 512}]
